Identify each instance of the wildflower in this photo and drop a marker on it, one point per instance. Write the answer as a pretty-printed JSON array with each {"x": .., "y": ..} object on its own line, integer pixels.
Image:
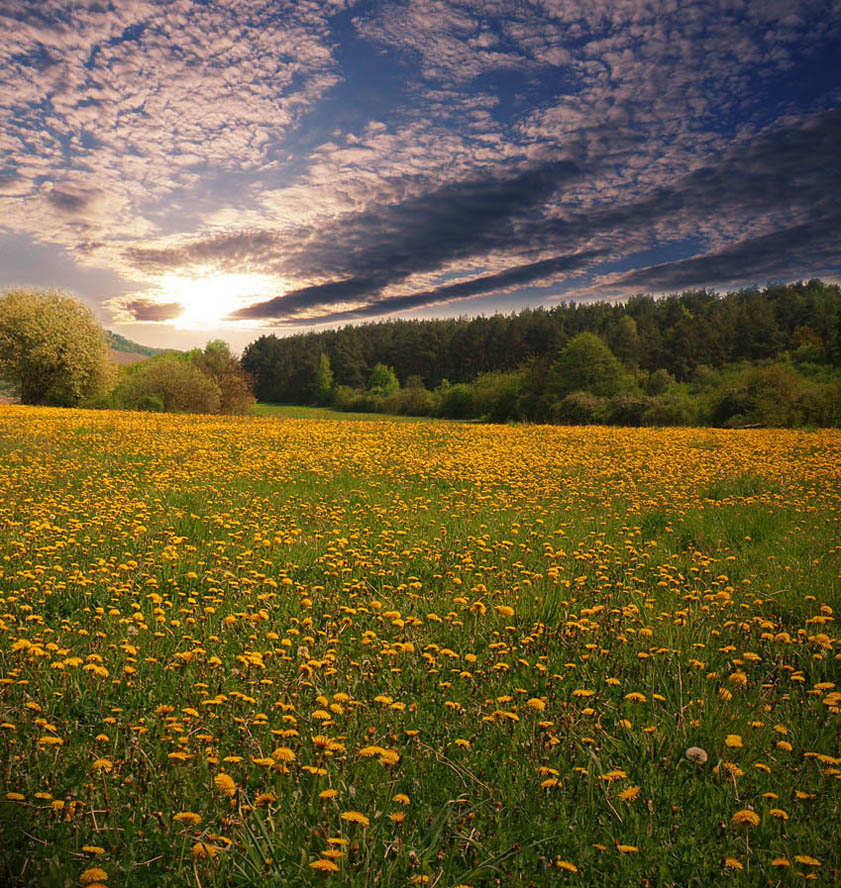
[
  {"x": 187, "y": 817},
  {"x": 696, "y": 755},
  {"x": 326, "y": 866},
  {"x": 94, "y": 874},
  {"x": 806, "y": 860},
  {"x": 629, "y": 794},
  {"x": 202, "y": 849},
  {"x": 778, "y": 813},
  {"x": 355, "y": 817},
  {"x": 732, "y": 863},
  {"x": 627, "y": 849},
  {"x": 401, "y": 799},
  {"x": 566, "y": 865},
  {"x": 15, "y": 797},
  {"x": 635, "y": 697},
  {"x": 536, "y": 703},
  {"x": 780, "y": 861},
  {"x": 734, "y": 741},
  {"x": 93, "y": 849},
  {"x": 283, "y": 754},
  {"x": 101, "y": 765},
  {"x": 224, "y": 783},
  {"x": 751, "y": 818},
  {"x": 328, "y": 794}
]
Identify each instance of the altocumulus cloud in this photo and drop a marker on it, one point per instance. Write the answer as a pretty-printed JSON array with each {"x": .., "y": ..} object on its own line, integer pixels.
[{"x": 384, "y": 157}]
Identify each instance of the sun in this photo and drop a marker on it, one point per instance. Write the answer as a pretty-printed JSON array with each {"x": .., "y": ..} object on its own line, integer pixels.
[{"x": 208, "y": 298}]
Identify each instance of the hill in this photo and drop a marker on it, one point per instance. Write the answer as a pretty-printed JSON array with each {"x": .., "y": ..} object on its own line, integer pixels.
[{"x": 118, "y": 343}]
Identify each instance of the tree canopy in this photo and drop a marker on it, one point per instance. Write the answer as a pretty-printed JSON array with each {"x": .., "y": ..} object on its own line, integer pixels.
[{"x": 52, "y": 349}]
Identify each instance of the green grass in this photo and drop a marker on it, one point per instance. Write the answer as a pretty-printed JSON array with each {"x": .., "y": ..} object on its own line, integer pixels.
[{"x": 480, "y": 601}]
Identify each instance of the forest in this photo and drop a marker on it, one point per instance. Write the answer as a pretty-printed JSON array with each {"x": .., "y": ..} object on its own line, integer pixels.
[{"x": 749, "y": 357}]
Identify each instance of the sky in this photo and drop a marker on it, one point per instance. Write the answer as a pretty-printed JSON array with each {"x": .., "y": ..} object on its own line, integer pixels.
[{"x": 199, "y": 169}]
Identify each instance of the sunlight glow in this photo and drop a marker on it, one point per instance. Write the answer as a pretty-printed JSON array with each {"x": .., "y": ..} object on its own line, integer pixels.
[{"x": 208, "y": 298}]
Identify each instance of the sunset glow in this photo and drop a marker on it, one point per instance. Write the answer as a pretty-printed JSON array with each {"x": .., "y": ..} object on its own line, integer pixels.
[{"x": 181, "y": 165}]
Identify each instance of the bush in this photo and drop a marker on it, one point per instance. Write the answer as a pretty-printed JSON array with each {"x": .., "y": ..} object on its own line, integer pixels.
[
  {"x": 668, "y": 411},
  {"x": 624, "y": 409},
  {"x": 578, "y": 408},
  {"x": 495, "y": 395},
  {"x": 150, "y": 403},
  {"x": 457, "y": 402},
  {"x": 176, "y": 382}
]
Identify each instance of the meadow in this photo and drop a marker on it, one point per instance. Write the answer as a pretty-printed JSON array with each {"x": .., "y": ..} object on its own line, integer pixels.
[{"x": 295, "y": 651}]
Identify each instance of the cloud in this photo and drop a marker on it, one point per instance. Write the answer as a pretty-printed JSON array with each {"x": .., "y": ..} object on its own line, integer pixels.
[
  {"x": 204, "y": 137},
  {"x": 284, "y": 308},
  {"x": 803, "y": 250},
  {"x": 147, "y": 310},
  {"x": 68, "y": 202},
  {"x": 779, "y": 180}
]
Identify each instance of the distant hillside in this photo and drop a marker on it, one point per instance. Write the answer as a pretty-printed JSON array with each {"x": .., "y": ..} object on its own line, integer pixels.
[{"x": 119, "y": 343}]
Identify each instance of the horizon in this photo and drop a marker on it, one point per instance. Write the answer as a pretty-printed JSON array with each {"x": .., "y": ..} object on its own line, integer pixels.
[{"x": 192, "y": 171}]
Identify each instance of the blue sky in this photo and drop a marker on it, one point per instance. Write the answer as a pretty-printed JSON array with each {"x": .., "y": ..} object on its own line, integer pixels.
[{"x": 200, "y": 169}]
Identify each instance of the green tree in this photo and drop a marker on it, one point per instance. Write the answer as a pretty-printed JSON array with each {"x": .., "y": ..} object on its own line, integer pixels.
[
  {"x": 586, "y": 364},
  {"x": 177, "y": 382},
  {"x": 383, "y": 381},
  {"x": 322, "y": 381},
  {"x": 52, "y": 350},
  {"x": 236, "y": 395}
]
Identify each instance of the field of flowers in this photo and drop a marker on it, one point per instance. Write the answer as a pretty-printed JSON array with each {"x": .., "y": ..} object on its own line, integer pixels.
[{"x": 301, "y": 652}]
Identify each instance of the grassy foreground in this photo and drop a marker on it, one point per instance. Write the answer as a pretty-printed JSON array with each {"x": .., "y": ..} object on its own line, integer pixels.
[{"x": 276, "y": 651}]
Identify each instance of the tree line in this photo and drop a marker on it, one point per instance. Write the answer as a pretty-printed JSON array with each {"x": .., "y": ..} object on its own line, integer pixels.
[{"x": 752, "y": 356}]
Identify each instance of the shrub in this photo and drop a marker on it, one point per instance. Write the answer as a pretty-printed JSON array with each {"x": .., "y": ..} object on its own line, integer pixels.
[
  {"x": 176, "y": 382},
  {"x": 150, "y": 403},
  {"x": 457, "y": 402},
  {"x": 578, "y": 408}
]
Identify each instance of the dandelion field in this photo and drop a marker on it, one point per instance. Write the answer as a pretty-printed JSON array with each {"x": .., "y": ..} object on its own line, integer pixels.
[{"x": 299, "y": 652}]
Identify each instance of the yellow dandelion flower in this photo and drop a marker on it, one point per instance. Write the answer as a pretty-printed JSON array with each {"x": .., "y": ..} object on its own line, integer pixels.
[
  {"x": 778, "y": 813},
  {"x": 732, "y": 863},
  {"x": 224, "y": 784},
  {"x": 283, "y": 754},
  {"x": 627, "y": 849},
  {"x": 103, "y": 765},
  {"x": 751, "y": 818},
  {"x": 187, "y": 817},
  {"x": 635, "y": 697},
  {"x": 401, "y": 799},
  {"x": 324, "y": 865},
  {"x": 94, "y": 874},
  {"x": 629, "y": 794},
  {"x": 328, "y": 794},
  {"x": 355, "y": 817},
  {"x": 202, "y": 849},
  {"x": 15, "y": 797},
  {"x": 734, "y": 741},
  {"x": 93, "y": 849},
  {"x": 807, "y": 860},
  {"x": 780, "y": 861},
  {"x": 566, "y": 865}
]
